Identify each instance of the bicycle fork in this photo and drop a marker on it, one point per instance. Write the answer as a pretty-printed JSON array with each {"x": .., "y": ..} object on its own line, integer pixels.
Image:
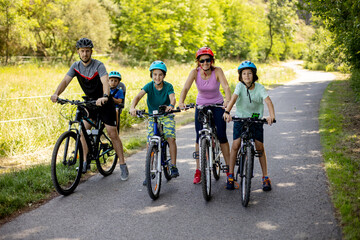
[
  {"x": 205, "y": 133},
  {"x": 156, "y": 140}
]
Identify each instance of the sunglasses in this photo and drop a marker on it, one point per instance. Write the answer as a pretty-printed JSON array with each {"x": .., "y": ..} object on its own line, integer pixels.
[{"x": 205, "y": 60}]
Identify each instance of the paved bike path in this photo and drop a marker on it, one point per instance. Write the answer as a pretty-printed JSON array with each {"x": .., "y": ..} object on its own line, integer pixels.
[{"x": 298, "y": 207}]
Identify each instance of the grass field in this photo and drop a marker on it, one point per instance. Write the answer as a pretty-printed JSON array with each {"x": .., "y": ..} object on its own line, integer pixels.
[{"x": 30, "y": 123}]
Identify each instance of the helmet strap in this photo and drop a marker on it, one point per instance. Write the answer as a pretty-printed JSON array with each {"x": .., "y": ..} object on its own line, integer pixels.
[
  {"x": 205, "y": 70},
  {"x": 247, "y": 89}
]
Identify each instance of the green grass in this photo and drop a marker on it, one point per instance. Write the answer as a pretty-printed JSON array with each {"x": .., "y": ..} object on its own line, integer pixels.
[
  {"x": 339, "y": 140},
  {"x": 22, "y": 188},
  {"x": 26, "y": 146}
]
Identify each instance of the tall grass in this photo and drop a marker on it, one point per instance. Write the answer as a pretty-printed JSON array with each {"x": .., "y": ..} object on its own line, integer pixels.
[{"x": 25, "y": 96}]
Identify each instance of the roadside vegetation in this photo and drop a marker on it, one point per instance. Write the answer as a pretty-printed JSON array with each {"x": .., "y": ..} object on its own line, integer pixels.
[{"x": 340, "y": 137}]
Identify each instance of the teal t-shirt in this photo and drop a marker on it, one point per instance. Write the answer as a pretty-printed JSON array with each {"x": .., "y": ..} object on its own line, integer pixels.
[
  {"x": 155, "y": 97},
  {"x": 243, "y": 106}
]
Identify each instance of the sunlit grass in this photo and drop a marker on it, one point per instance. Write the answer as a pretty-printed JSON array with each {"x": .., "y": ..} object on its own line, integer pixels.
[
  {"x": 24, "y": 96},
  {"x": 341, "y": 162},
  {"x": 26, "y": 90}
]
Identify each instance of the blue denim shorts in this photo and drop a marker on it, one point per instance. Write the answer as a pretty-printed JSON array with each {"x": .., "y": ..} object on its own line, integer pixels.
[{"x": 257, "y": 130}]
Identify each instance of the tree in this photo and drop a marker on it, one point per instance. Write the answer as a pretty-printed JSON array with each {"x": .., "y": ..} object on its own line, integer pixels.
[
  {"x": 14, "y": 28},
  {"x": 280, "y": 23},
  {"x": 342, "y": 19}
]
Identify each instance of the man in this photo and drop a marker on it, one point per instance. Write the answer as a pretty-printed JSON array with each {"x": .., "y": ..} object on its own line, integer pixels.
[{"x": 93, "y": 79}]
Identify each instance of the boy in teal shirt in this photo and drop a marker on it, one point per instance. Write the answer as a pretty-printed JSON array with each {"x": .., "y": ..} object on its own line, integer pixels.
[
  {"x": 160, "y": 92},
  {"x": 249, "y": 97}
]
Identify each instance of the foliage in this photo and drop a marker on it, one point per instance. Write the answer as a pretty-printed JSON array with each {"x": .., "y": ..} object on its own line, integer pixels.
[
  {"x": 342, "y": 19},
  {"x": 281, "y": 27},
  {"x": 234, "y": 29},
  {"x": 148, "y": 30},
  {"x": 49, "y": 28}
]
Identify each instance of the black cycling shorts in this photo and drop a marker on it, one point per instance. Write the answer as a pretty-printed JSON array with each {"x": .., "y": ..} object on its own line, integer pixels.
[{"x": 257, "y": 130}]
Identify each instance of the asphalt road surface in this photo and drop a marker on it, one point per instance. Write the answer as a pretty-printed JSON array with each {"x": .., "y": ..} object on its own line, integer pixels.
[{"x": 298, "y": 207}]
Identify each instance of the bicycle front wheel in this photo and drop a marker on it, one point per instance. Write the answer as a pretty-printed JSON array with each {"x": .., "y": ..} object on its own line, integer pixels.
[
  {"x": 217, "y": 163},
  {"x": 106, "y": 162},
  {"x": 66, "y": 163},
  {"x": 166, "y": 161},
  {"x": 205, "y": 169},
  {"x": 245, "y": 184},
  {"x": 152, "y": 173}
]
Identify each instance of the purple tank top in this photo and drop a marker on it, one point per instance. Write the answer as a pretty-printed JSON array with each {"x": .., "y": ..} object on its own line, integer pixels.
[{"x": 208, "y": 90}]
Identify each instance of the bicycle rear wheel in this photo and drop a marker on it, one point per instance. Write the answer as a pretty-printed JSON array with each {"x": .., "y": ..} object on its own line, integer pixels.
[
  {"x": 153, "y": 176},
  {"x": 166, "y": 161},
  {"x": 106, "y": 162},
  {"x": 66, "y": 163},
  {"x": 217, "y": 163},
  {"x": 205, "y": 169},
  {"x": 245, "y": 183}
]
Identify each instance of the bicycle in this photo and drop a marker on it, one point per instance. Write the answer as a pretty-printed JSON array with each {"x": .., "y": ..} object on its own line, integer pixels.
[
  {"x": 67, "y": 157},
  {"x": 245, "y": 157},
  {"x": 210, "y": 151},
  {"x": 157, "y": 163}
]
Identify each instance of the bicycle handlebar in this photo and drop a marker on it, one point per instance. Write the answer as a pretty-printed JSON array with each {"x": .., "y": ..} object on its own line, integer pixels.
[
  {"x": 140, "y": 113},
  {"x": 76, "y": 102},
  {"x": 253, "y": 120},
  {"x": 211, "y": 105}
]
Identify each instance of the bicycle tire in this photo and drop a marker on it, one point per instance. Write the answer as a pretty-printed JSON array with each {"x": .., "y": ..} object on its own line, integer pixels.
[
  {"x": 205, "y": 169},
  {"x": 217, "y": 163},
  {"x": 166, "y": 161},
  {"x": 107, "y": 159},
  {"x": 245, "y": 186},
  {"x": 66, "y": 173},
  {"x": 153, "y": 176}
]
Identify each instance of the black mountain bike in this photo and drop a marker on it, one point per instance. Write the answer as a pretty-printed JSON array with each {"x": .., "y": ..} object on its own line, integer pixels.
[
  {"x": 245, "y": 158},
  {"x": 209, "y": 149},
  {"x": 158, "y": 155},
  {"x": 67, "y": 158}
]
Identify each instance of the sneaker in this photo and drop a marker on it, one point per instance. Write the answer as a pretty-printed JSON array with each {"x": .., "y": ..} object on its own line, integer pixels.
[
  {"x": 230, "y": 182},
  {"x": 124, "y": 172},
  {"x": 197, "y": 177},
  {"x": 174, "y": 171},
  {"x": 266, "y": 183}
]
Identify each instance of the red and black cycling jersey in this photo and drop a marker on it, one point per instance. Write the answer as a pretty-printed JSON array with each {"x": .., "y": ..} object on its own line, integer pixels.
[{"x": 89, "y": 77}]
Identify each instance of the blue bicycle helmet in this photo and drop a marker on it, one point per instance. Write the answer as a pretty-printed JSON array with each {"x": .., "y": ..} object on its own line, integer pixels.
[
  {"x": 246, "y": 65},
  {"x": 115, "y": 74},
  {"x": 158, "y": 65}
]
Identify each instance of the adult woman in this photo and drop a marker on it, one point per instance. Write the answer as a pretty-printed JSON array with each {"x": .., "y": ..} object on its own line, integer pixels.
[{"x": 208, "y": 79}]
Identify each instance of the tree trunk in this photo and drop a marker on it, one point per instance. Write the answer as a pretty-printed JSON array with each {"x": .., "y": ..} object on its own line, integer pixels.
[{"x": 271, "y": 40}]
